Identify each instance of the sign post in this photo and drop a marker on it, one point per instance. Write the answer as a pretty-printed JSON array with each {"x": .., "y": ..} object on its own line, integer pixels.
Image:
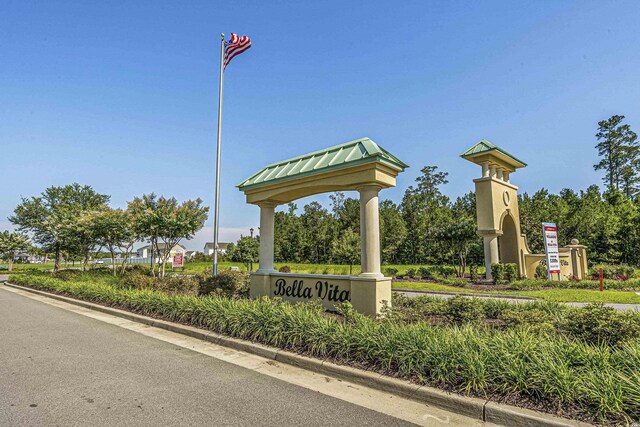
[
  {"x": 550, "y": 233},
  {"x": 178, "y": 260},
  {"x": 600, "y": 276}
]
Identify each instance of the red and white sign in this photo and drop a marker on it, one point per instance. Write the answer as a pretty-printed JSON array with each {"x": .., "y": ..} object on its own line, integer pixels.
[
  {"x": 550, "y": 232},
  {"x": 178, "y": 260}
]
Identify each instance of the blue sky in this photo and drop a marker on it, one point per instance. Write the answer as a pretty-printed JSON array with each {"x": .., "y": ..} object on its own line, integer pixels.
[{"x": 123, "y": 95}]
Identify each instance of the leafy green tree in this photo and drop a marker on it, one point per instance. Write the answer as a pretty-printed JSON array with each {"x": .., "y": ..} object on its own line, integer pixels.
[
  {"x": 245, "y": 251},
  {"x": 393, "y": 232},
  {"x": 424, "y": 210},
  {"x": 11, "y": 244},
  {"x": 53, "y": 218},
  {"x": 618, "y": 148},
  {"x": 82, "y": 241},
  {"x": 346, "y": 248},
  {"x": 630, "y": 174},
  {"x": 539, "y": 208},
  {"x": 346, "y": 211},
  {"x": 146, "y": 224},
  {"x": 164, "y": 220},
  {"x": 457, "y": 238},
  {"x": 318, "y": 228},
  {"x": 114, "y": 230},
  {"x": 177, "y": 221},
  {"x": 287, "y": 242}
]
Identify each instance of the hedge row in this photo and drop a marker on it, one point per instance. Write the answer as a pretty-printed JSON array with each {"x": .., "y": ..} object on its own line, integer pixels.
[
  {"x": 590, "y": 382},
  {"x": 619, "y": 285}
]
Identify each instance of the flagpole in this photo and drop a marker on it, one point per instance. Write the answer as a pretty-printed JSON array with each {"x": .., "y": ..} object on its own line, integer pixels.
[{"x": 217, "y": 195}]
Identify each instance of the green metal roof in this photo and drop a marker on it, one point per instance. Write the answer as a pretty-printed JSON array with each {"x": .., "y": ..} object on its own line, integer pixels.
[
  {"x": 485, "y": 146},
  {"x": 341, "y": 156}
]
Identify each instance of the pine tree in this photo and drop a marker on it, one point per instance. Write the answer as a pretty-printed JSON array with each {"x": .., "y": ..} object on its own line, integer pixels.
[{"x": 619, "y": 149}]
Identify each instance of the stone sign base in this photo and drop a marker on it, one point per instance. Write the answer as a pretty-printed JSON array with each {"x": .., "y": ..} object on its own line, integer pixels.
[{"x": 366, "y": 294}]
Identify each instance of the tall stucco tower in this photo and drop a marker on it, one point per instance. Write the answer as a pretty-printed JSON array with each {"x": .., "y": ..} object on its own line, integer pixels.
[{"x": 497, "y": 206}]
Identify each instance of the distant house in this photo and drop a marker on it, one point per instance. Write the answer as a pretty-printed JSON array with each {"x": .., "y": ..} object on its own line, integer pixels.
[
  {"x": 190, "y": 254},
  {"x": 23, "y": 257},
  {"x": 222, "y": 248},
  {"x": 146, "y": 251}
]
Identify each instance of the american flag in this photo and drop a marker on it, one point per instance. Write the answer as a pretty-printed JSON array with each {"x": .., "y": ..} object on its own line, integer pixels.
[{"x": 234, "y": 47}]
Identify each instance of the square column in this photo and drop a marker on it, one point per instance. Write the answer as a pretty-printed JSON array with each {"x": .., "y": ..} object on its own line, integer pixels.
[
  {"x": 267, "y": 217},
  {"x": 369, "y": 231},
  {"x": 490, "y": 253}
]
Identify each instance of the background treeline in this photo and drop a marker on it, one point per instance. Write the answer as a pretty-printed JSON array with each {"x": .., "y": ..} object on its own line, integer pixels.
[{"x": 428, "y": 227}]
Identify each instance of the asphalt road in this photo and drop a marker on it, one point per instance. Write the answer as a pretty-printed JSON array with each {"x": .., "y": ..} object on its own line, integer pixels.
[{"x": 61, "y": 368}]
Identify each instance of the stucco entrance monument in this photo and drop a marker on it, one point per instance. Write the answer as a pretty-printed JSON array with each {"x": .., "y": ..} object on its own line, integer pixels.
[
  {"x": 499, "y": 217},
  {"x": 359, "y": 165}
]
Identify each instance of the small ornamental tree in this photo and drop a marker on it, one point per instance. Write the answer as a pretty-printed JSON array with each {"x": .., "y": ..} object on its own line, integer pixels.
[
  {"x": 113, "y": 229},
  {"x": 143, "y": 213},
  {"x": 11, "y": 244},
  {"x": 346, "y": 248},
  {"x": 176, "y": 222},
  {"x": 162, "y": 220},
  {"x": 245, "y": 251},
  {"x": 457, "y": 238}
]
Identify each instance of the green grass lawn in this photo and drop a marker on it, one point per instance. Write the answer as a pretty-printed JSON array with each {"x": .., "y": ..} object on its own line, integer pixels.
[
  {"x": 199, "y": 267},
  {"x": 559, "y": 295}
]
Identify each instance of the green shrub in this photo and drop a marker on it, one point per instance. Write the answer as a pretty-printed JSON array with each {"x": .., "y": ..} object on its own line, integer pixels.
[
  {"x": 66, "y": 274},
  {"x": 597, "y": 324},
  {"x": 609, "y": 284},
  {"x": 139, "y": 268},
  {"x": 461, "y": 283},
  {"x": 285, "y": 269},
  {"x": 187, "y": 285},
  {"x": 136, "y": 280},
  {"x": 425, "y": 273},
  {"x": 510, "y": 272},
  {"x": 411, "y": 272},
  {"x": 424, "y": 305},
  {"x": 462, "y": 310},
  {"x": 473, "y": 273},
  {"x": 541, "y": 272},
  {"x": 613, "y": 271},
  {"x": 391, "y": 272},
  {"x": 538, "y": 320},
  {"x": 229, "y": 283},
  {"x": 497, "y": 272},
  {"x": 445, "y": 271},
  {"x": 504, "y": 272}
]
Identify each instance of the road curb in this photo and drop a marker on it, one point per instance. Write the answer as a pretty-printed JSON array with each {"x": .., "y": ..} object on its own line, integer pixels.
[
  {"x": 473, "y": 407},
  {"x": 466, "y": 294}
]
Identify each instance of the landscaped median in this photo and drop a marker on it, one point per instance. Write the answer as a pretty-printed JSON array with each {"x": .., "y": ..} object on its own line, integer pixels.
[
  {"x": 543, "y": 368},
  {"x": 566, "y": 291}
]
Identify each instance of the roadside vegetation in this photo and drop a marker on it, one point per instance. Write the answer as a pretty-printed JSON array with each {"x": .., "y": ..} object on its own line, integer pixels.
[
  {"x": 616, "y": 291},
  {"x": 582, "y": 363}
]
